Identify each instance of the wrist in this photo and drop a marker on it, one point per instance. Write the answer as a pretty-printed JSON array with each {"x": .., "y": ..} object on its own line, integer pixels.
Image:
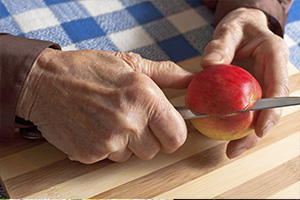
[{"x": 31, "y": 86}]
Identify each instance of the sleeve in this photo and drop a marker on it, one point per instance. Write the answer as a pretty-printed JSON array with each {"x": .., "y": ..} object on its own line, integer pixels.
[
  {"x": 17, "y": 55},
  {"x": 276, "y": 10}
]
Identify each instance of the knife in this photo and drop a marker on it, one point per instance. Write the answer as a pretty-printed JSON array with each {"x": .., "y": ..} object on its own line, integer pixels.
[{"x": 260, "y": 104}]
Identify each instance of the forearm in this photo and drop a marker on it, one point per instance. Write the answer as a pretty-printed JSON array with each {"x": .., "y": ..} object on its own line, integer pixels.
[
  {"x": 17, "y": 55},
  {"x": 277, "y": 11}
]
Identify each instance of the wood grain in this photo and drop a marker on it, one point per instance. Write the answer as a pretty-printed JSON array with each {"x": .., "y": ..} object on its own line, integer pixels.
[
  {"x": 267, "y": 183},
  {"x": 199, "y": 169}
]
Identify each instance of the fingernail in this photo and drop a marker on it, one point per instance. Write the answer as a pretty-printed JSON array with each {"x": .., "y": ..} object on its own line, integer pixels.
[
  {"x": 237, "y": 152},
  {"x": 213, "y": 57},
  {"x": 267, "y": 128}
]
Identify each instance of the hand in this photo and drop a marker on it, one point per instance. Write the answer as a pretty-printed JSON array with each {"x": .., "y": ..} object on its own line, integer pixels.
[
  {"x": 244, "y": 39},
  {"x": 94, "y": 104}
]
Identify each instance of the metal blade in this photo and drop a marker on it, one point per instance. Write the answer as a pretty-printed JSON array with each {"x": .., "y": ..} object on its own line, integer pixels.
[
  {"x": 276, "y": 102},
  {"x": 261, "y": 104}
]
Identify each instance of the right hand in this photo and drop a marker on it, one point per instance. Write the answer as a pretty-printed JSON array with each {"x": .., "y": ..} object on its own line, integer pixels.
[
  {"x": 243, "y": 38},
  {"x": 94, "y": 104}
]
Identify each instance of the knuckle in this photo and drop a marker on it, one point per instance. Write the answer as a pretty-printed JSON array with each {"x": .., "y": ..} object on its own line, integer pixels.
[
  {"x": 139, "y": 89},
  {"x": 88, "y": 159},
  {"x": 137, "y": 79},
  {"x": 217, "y": 45},
  {"x": 285, "y": 89},
  {"x": 134, "y": 56},
  {"x": 87, "y": 152},
  {"x": 251, "y": 141},
  {"x": 277, "y": 47},
  {"x": 118, "y": 157},
  {"x": 147, "y": 153},
  {"x": 110, "y": 142},
  {"x": 147, "y": 156},
  {"x": 281, "y": 87},
  {"x": 118, "y": 160},
  {"x": 222, "y": 48},
  {"x": 227, "y": 28},
  {"x": 132, "y": 59},
  {"x": 175, "y": 142},
  {"x": 132, "y": 132},
  {"x": 275, "y": 116},
  {"x": 278, "y": 89},
  {"x": 255, "y": 141}
]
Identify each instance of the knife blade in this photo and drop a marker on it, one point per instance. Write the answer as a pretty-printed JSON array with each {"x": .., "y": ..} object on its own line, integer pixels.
[{"x": 260, "y": 104}]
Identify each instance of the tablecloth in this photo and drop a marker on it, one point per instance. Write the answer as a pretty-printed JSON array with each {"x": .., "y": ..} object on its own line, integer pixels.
[{"x": 174, "y": 30}]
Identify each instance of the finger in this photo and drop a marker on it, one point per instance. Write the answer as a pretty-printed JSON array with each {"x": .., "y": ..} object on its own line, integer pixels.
[
  {"x": 275, "y": 82},
  {"x": 236, "y": 148},
  {"x": 120, "y": 156},
  {"x": 267, "y": 120},
  {"x": 84, "y": 160},
  {"x": 144, "y": 145},
  {"x": 92, "y": 153},
  {"x": 166, "y": 123},
  {"x": 221, "y": 50},
  {"x": 165, "y": 74},
  {"x": 168, "y": 126},
  {"x": 87, "y": 159}
]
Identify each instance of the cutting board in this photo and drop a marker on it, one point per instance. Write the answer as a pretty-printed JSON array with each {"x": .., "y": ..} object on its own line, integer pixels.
[{"x": 199, "y": 169}]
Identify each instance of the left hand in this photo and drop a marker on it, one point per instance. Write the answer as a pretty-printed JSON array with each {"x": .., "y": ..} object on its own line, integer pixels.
[
  {"x": 94, "y": 104},
  {"x": 243, "y": 38}
]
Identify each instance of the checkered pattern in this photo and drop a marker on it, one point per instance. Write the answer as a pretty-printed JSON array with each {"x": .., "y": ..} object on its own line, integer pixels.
[
  {"x": 159, "y": 29},
  {"x": 292, "y": 34}
]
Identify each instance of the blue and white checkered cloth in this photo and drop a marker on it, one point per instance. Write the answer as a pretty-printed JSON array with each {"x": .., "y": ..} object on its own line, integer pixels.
[
  {"x": 158, "y": 29},
  {"x": 292, "y": 34}
]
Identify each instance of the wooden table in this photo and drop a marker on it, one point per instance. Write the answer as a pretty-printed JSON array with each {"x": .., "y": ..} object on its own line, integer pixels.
[{"x": 199, "y": 169}]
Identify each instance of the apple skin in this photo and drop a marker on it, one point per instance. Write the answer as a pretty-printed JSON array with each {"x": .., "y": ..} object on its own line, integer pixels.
[{"x": 219, "y": 90}]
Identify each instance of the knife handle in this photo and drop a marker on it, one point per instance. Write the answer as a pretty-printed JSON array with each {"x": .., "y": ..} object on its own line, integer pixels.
[{"x": 31, "y": 133}]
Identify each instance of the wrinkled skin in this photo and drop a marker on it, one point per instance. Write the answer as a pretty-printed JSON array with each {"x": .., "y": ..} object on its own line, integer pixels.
[
  {"x": 94, "y": 104},
  {"x": 244, "y": 39}
]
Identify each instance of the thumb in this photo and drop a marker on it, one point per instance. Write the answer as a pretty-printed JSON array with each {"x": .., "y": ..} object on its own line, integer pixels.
[
  {"x": 222, "y": 48},
  {"x": 166, "y": 74}
]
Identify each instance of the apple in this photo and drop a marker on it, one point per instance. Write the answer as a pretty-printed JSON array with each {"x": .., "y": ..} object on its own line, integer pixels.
[{"x": 219, "y": 90}]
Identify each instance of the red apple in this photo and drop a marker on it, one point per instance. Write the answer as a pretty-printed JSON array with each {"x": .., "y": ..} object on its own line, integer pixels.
[{"x": 220, "y": 90}]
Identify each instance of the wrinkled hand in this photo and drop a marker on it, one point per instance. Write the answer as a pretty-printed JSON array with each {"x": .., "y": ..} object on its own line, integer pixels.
[
  {"x": 243, "y": 38},
  {"x": 94, "y": 104}
]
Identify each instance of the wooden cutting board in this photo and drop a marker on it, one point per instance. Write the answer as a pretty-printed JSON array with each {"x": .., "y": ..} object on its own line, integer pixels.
[{"x": 199, "y": 169}]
